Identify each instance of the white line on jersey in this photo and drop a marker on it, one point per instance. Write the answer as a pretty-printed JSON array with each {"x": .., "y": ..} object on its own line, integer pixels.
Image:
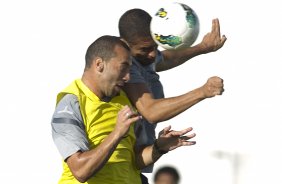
[{"x": 65, "y": 111}]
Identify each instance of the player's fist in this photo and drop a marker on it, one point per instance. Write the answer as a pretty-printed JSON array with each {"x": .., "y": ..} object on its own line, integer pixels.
[
  {"x": 213, "y": 87},
  {"x": 126, "y": 116}
]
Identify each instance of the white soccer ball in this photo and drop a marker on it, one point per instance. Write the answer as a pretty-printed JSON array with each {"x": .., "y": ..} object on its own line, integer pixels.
[{"x": 175, "y": 26}]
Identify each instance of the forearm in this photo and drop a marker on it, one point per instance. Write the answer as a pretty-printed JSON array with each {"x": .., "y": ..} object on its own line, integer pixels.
[
  {"x": 147, "y": 156},
  {"x": 85, "y": 164},
  {"x": 167, "y": 108},
  {"x": 173, "y": 58}
]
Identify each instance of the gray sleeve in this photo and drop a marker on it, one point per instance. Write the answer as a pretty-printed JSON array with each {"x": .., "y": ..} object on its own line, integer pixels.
[{"x": 68, "y": 131}]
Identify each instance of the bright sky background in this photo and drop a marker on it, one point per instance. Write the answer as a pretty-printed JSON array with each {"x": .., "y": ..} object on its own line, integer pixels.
[{"x": 42, "y": 47}]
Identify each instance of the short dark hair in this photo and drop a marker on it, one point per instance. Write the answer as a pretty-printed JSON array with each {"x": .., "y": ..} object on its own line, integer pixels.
[
  {"x": 134, "y": 23},
  {"x": 103, "y": 47},
  {"x": 169, "y": 170}
]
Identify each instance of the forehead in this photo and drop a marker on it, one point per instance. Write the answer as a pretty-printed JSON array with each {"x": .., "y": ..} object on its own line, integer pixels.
[
  {"x": 143, "y": 42},
  {"x": 122, "y": 54},
  {"x": 121, "y": 51}
]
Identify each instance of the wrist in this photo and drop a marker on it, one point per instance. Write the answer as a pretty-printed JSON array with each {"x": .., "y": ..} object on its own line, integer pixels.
[
  {"x": 200, "y": 48},
  {"x": 157, "y": 148}
]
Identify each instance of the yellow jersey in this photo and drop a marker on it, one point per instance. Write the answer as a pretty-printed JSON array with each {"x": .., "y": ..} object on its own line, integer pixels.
[{"x": 99, "y": 119}]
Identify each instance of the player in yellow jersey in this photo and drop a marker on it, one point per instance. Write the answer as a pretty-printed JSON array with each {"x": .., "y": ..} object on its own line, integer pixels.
[{"x": 93, "y": 123}]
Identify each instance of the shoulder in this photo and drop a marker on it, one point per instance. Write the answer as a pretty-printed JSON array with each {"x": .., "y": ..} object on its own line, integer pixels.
[
  {"x": 159, "y": 57},
  {"x": 68, "y": 106},
  {"x": 69, "y": 100}
]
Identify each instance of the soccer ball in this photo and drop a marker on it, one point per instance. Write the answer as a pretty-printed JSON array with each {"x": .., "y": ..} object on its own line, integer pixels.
[{"x": 175, "y": 26}]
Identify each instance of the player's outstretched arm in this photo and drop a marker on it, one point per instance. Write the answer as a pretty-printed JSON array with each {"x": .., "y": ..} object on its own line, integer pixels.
[
  {"x": 157, "y": 110},
  {"x": 211, "y": 42}
]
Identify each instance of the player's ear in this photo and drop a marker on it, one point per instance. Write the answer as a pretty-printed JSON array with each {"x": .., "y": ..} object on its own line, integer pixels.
[{"x": 99, "y": 64}]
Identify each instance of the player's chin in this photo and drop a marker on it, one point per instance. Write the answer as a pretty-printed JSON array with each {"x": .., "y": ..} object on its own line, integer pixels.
[{"x": 146, "y": 61}]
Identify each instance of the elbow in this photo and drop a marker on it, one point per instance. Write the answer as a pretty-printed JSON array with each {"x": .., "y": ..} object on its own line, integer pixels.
[
  {"x": 81, "y": 168},
  {"x": 81, "y": 177},
  {"x": 81, "y": 180},
  {"x": 152, "y": 118},
  {"x": 152, "y": 114}
]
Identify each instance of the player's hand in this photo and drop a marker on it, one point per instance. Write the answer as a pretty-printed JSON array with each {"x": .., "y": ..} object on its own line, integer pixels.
[
  {"x": 170, "y": 139},
  {"x": 213, "y": 87},
  {"x": 125, "y": 118},
  {"x": 213, "y": 40}
]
